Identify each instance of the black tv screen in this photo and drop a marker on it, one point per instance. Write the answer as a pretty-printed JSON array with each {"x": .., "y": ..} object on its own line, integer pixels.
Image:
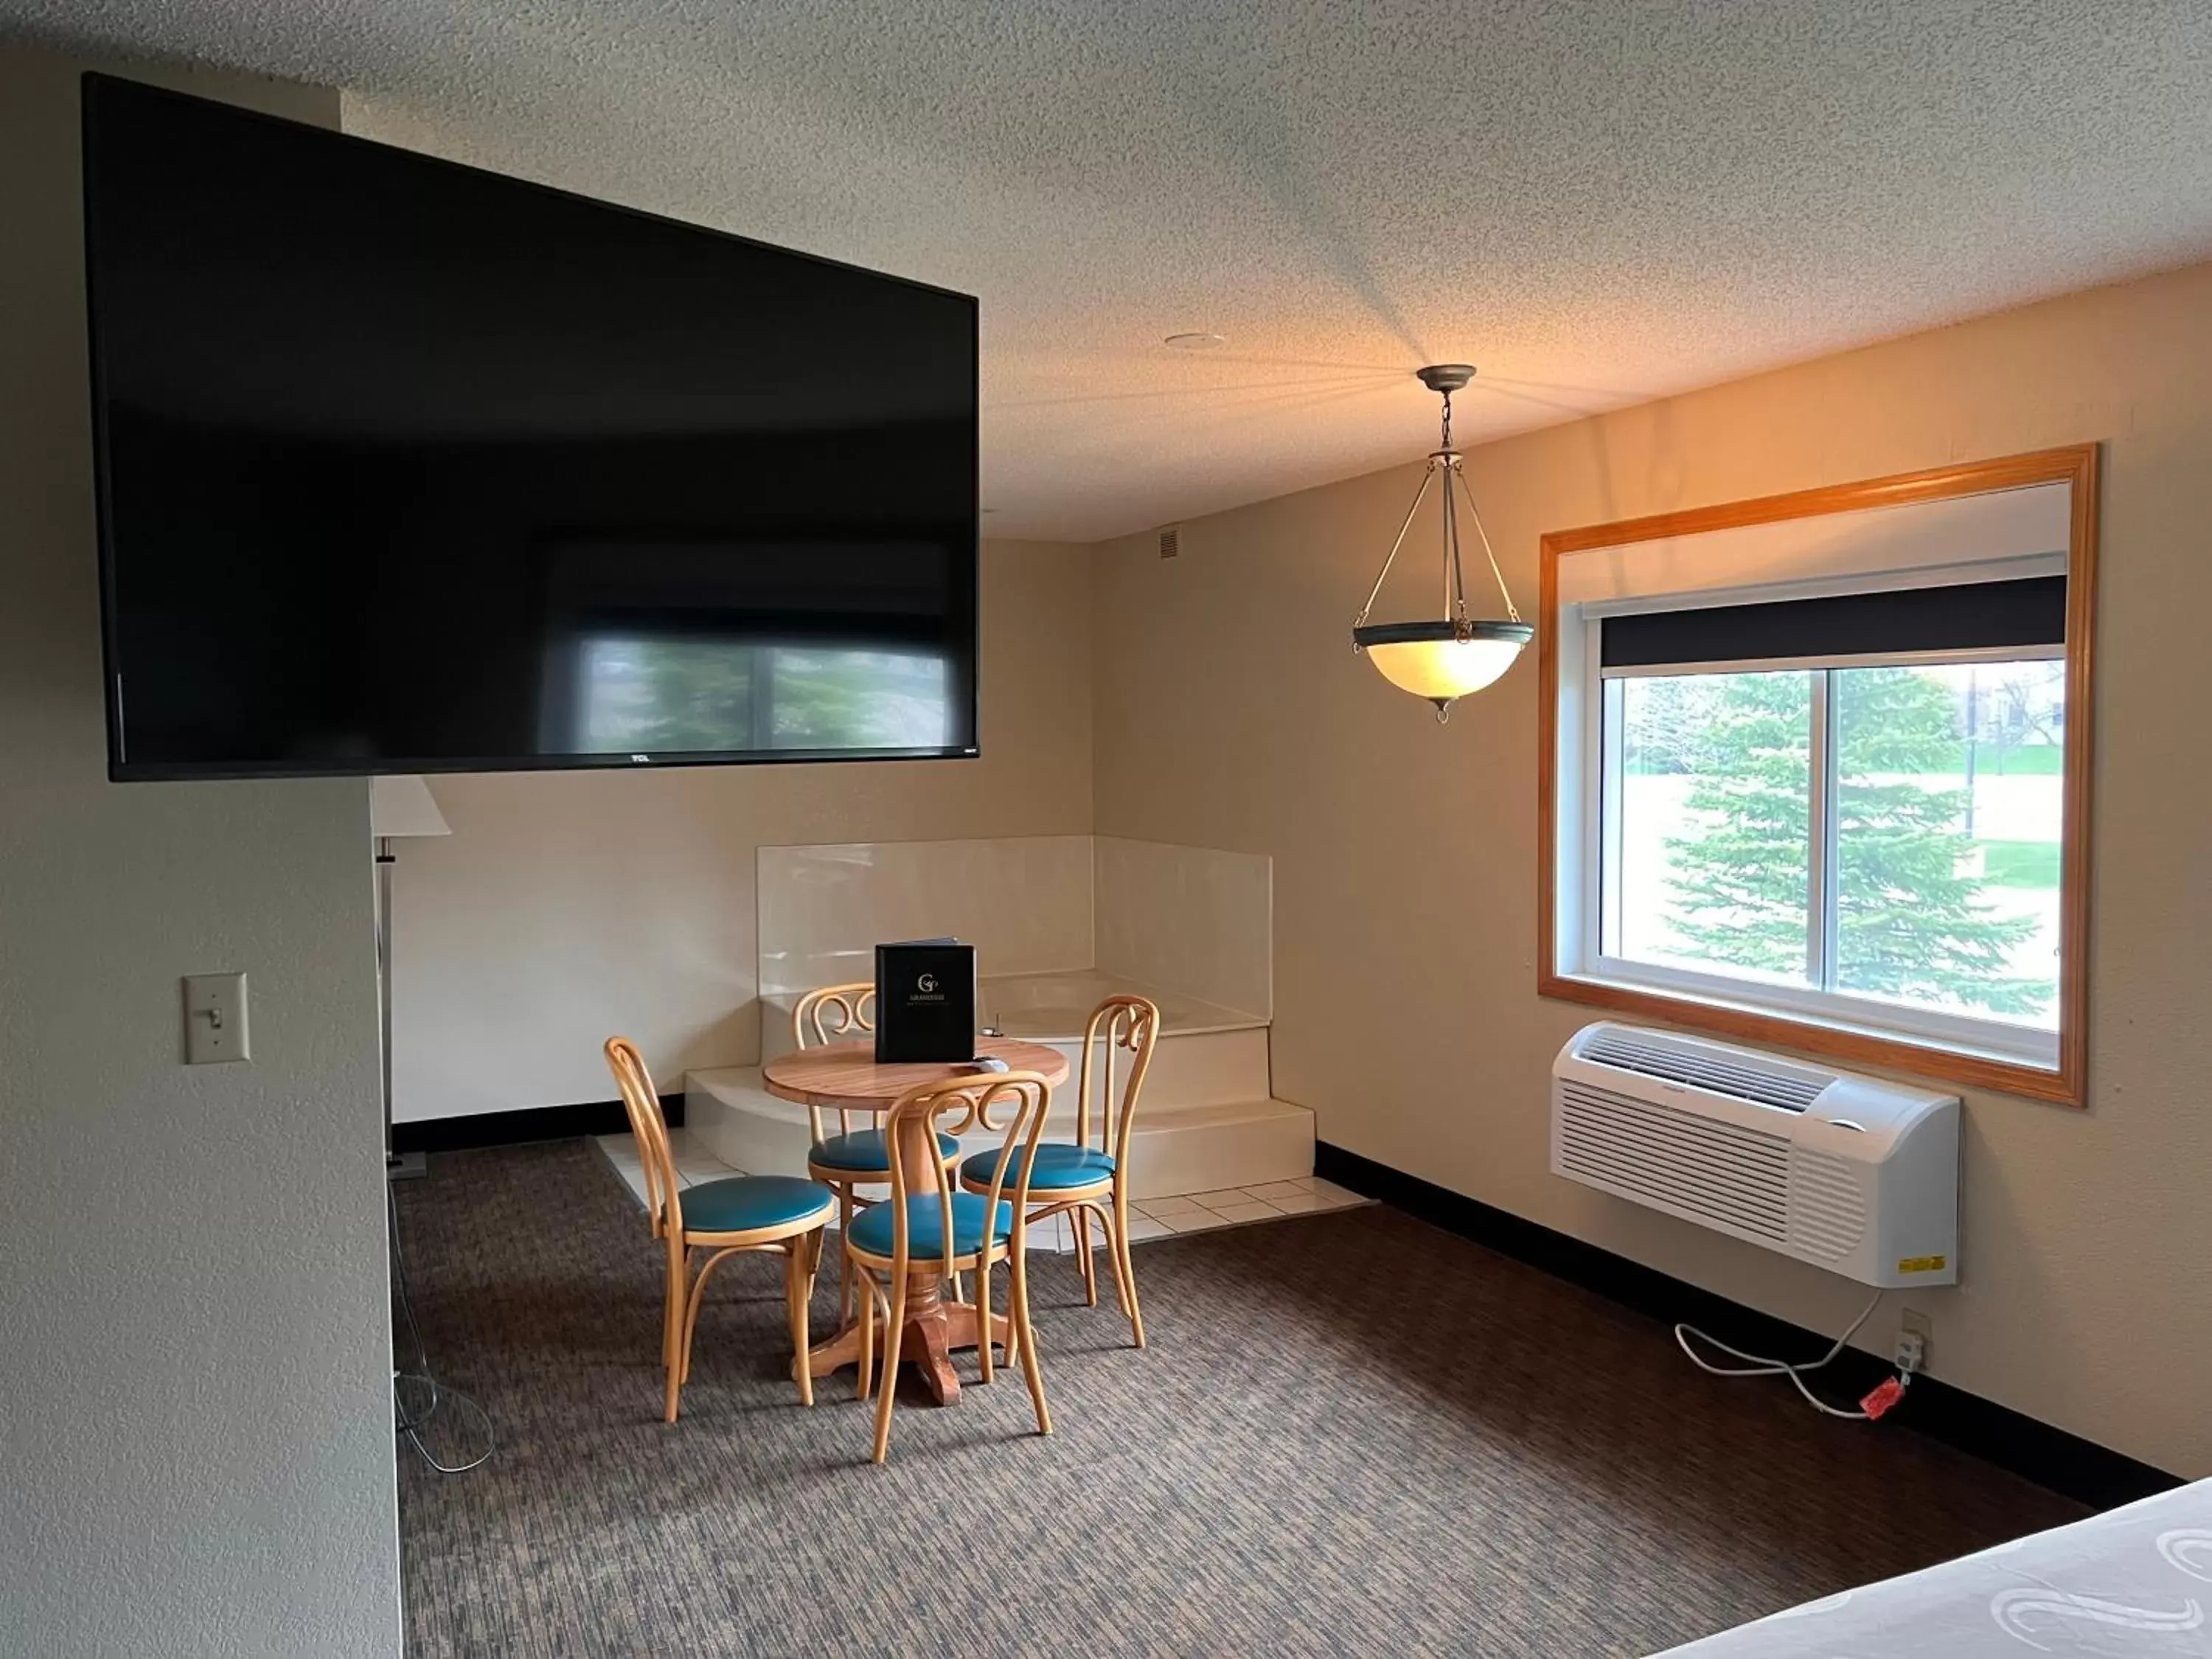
[{"x": 408, "y": 467}]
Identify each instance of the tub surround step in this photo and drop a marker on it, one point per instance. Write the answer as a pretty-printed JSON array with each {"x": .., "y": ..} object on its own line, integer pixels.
[
  {"x": 1050, "y": 1008},
  {"x": 1206, "y": 1148},
  {"x": 1176, "y": 1147},
  {"x": 1189, "y": 1069},
  {"x": 1195, "y": 1069},
  {"x": 1151, "y": 1218}
]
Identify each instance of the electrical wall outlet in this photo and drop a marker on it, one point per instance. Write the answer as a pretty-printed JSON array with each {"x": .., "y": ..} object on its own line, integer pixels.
[{"x": 1916, "y": 1331}]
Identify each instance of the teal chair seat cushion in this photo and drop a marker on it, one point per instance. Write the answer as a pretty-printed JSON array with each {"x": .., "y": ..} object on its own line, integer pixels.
[
  {"x": 1059, "y": 1166},
  {"x": 864, "y": 1149},
  {"x": 741, "y": 1204},
  {"x": 873, "y": 1229}
]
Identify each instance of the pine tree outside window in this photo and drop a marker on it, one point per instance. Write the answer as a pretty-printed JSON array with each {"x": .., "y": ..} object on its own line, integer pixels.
[{"x": 1886, "y": 831}]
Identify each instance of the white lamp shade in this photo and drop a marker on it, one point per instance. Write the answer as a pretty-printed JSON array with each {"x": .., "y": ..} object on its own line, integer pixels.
[
  {"x": 404, "y": 806},
  {"x": 1443, "y": 670}
]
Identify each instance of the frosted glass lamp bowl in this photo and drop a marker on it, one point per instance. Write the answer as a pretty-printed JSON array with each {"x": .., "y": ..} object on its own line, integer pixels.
[{"x": 1443, "y": 660}]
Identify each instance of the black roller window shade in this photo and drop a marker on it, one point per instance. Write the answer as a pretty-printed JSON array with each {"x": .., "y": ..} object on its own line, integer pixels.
[{"x": 1963, "y": 617}]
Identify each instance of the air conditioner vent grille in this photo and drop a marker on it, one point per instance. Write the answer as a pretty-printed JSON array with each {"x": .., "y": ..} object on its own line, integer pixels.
[
  {"x": 1724, "y": 1173},
  {"x": 1787, "y": 1091},
  {"x": 1827, "y": 1215}
]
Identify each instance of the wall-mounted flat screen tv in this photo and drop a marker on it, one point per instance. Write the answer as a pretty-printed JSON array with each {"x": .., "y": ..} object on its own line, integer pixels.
[{"x": 408, "y": 467}]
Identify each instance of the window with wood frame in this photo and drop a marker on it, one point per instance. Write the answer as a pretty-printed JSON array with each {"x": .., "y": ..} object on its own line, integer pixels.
[{"x": 1816, "y": 769}]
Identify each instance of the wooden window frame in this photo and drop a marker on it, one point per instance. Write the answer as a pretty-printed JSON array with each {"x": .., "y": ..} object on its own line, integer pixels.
[{"x": 2076, "y": 466}]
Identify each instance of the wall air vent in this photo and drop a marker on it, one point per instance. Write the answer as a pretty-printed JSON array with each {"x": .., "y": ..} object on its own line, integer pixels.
[
  {"x": 1718, "y": 1172},
  {"x": 1170, "y": 542},
  {"x": 1854, "y": 1174},
  {"x": 1745, "y": 1075}
]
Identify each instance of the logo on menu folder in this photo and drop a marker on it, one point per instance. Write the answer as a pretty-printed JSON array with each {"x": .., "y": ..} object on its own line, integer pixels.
[{"x": 925, "y": 1001}]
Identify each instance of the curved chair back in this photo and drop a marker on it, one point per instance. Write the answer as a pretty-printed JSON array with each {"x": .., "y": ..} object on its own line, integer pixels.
[
  {"x": 1131, "y": 1025},
  {"x": 827, "y": 1015},
  {"x": 1025, "y": 1098},
  {"x": 642, "y": 1102}
]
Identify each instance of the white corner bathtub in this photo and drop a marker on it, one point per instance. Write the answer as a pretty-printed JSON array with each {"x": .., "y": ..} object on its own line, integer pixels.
[{"x": 1053, "y": 1007}]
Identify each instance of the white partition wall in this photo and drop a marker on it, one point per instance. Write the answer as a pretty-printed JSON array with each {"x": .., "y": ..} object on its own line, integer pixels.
[
  {"x": 195, "y": 1381},
  {"x": 1193, "y": 920},
  {"x": 1023, "y": 900}
]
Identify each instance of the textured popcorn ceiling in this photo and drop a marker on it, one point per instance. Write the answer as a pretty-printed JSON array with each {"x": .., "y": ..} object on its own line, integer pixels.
[{"x": 1596, "y": 202}]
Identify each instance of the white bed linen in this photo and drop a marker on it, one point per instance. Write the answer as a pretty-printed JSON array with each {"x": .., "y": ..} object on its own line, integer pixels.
[{"x": 2132, "y": 1583}]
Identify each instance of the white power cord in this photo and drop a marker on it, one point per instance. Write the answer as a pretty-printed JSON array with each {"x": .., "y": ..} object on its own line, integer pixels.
[
  {"x": 1761, "y": 1367},
  {"x": 411, "y": 1423}
]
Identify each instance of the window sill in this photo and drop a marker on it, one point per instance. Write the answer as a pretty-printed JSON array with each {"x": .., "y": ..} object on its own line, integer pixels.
[{"x": 1915, "y": 1055}]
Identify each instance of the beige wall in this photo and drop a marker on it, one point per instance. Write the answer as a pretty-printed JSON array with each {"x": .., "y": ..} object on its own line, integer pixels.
[
  {"x": 1230, "y": 712},
  {"x": 196, "y": 1448},
  {"x": 566, "y": 906}
]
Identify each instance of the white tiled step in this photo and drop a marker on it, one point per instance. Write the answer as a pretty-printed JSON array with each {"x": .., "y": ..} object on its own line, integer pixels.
[{"x": 1193, "y": 1212}]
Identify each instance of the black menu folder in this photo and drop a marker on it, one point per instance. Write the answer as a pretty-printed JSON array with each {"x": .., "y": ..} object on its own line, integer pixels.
[{"x": 925, "y": 1001}]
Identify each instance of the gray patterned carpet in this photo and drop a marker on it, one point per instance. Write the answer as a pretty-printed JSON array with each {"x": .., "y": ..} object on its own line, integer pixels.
[{"x": 1351, "y": 1434}]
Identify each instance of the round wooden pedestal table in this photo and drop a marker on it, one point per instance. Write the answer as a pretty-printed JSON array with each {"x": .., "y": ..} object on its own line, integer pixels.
[{"x": 845, "y": 1075}]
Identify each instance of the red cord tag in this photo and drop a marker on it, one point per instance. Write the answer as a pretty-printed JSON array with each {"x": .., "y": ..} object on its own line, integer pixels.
[{"x": 1883, "y": 1397}]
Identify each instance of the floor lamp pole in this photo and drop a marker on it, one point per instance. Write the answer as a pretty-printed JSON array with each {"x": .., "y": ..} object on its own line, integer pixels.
[
  {"x": 394, "y": 1164},
  {"x": 397, "y": 805}
]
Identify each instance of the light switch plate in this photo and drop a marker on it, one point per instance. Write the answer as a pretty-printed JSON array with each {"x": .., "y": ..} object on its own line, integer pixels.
[{"x": 215, "y": 1019}]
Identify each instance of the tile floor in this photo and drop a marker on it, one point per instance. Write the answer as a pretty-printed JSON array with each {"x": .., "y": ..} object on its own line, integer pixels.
[{"x": 1151, "y": 1218}]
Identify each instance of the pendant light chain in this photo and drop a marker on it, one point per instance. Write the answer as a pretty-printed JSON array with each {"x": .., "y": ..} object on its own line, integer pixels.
[
  {"x": 1453, "y": 465},
  {"x": 1455, "y": 583}
]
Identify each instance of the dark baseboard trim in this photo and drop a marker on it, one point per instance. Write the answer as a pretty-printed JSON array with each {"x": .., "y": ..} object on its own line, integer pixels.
[
  {"x": 2050, "y": 1457},
  {"x": 456, "y": 1134}
]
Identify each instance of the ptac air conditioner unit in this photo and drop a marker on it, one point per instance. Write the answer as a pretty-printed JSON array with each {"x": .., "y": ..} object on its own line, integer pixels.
[{"x": 1850, "y": 1173}]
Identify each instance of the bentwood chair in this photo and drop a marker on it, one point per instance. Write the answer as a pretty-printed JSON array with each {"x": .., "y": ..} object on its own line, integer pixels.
[
  {"x": 854, "y": 1157},
  {"x": 928, "y": 1231},
  {"x": 1079, "y": 1179},
  {"x": 718, "y": 1220}
]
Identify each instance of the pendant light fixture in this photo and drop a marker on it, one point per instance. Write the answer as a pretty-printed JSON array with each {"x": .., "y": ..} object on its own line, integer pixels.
[{"x": 1444, "y": 660}]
